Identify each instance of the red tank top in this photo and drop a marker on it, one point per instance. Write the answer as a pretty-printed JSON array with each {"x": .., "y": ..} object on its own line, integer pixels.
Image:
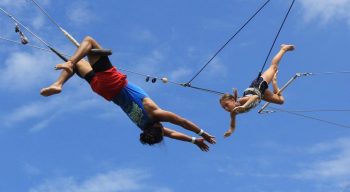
[{"x": 108, "y": 83}]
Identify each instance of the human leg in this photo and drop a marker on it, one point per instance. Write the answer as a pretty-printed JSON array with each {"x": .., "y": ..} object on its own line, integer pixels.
[
  {"x": 85, "y": 47},
  {"x": 273, "y": 98},
  {"x": 82, "y": 67},
  {"x": 270, "y": 72}
]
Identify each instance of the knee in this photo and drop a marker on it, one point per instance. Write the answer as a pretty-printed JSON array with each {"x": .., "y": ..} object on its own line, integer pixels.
[
  {"x": 89, "y": 39},
  {"x": 274, "y": 67}
]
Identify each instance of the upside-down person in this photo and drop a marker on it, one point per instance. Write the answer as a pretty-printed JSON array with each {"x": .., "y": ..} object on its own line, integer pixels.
[
  {"x": 109, "y": 83},
  {"x": 257, "y": 91}
]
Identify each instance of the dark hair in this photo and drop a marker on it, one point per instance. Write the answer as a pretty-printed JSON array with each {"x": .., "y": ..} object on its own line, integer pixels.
[{"x": 152, "y": 134}]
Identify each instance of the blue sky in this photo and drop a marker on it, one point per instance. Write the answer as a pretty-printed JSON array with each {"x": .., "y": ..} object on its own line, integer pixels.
[{"x": 76, "y": 141}]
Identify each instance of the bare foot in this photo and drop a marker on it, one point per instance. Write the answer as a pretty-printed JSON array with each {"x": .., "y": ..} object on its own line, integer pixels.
[
  {"x": 52, "y": 90},
  {"x": 287, "y": 47},
  {"x": 68, "y": 66}
]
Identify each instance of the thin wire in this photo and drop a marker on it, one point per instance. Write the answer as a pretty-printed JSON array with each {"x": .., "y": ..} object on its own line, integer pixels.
[
  {"x": 330, "y": 73},
  {"x": 232, "y": 37},
  {"x": 70, "y": 37},
  {"x": 33, "y": 46},
  {"x": 274, "y": 42},
  {"x": 45, "y": 12},
  {"x": 320, "y": 110},
  {"x": 26, "y": 28},
  {"x": 60, "y": 55},
  {"x": 313, "y": 118},
  {"x": 125, "y": 70}
]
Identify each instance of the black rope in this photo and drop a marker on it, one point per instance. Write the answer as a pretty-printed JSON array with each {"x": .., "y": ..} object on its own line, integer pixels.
[
  {"x": 222, "y": 47},
  {"x": 313, "y": 118},
  {"x": 277, "y": 35}
]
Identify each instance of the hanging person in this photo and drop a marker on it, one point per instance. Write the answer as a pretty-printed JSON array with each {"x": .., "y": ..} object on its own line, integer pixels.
[
  {"x": 257, "y": 91},
  {"x": 111, "y": 84}
]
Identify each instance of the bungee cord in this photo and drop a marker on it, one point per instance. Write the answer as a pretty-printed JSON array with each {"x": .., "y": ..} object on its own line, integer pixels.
[{"x": 228, "y": 41}]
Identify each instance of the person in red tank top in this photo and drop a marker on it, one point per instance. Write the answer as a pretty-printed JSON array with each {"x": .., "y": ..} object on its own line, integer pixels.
[{"x": 112, "y": 85}]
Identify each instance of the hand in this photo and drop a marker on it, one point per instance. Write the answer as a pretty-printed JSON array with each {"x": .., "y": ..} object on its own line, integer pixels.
[
  {"x": 239, "y": 109},
  {"x": 209, "y": 138},
  {"x": 228, "y": 133},
  {"x": 201, "y": 144}
]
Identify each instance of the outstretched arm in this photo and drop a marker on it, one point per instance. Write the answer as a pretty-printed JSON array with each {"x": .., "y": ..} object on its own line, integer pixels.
[
  {"x": 166, "y": 116},
  {"x": 232, "y": 125},
  {"x": 183, "y": 137}
]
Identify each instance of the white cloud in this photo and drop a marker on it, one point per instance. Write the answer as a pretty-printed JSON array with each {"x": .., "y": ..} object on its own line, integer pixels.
[
  {"x": 143, "y": 35},
  {"x": 180, "y": 74},
  {"x": 31, "y": 111},
  {"x": 113, "y": 181},
  {"x": 80, "y": 13},
  {"x": 23, "y": 71},
  {"x": 44, "y": 112},
  {"x": 216, "y": 69},
  {"x": 327, "y": 10},
  {"x": 334, "y": 166},
  {"x": 12, "y": 3}
]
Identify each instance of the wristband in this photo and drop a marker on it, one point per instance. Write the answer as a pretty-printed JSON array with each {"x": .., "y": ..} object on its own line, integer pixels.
[
  {"x": 201, "y": 132},
  {"x": 193, "y": 140}
]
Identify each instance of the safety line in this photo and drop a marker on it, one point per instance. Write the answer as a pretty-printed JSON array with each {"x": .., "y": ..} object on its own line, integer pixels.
[
  {"x": 227, "y": 42},
  {"x": 290, "y": 81},
  {"x": 35, "y": 35},
  {"x": 151, "y": 78},
  {"x": 277, "y": 35},
  {"x": 33, "y": 46},
  {"x": 69, "y": 36},
  {"x": 313, "y": 118}
]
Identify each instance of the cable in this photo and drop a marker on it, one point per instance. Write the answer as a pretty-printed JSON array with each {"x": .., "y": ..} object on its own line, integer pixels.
[
  {"x": 330, "y": 73},
  {"x": 232, "y": 37},
  {"x": 313, "y": 118},
  {"x": 319, "y": 110},
  {"x": 151, "y": 78},
  {"x": 277, "y": 35},
  {"x": 35, "y": 35},
  {"x": 69, "y": 36},
  {"x": 33, "y": 46}
]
